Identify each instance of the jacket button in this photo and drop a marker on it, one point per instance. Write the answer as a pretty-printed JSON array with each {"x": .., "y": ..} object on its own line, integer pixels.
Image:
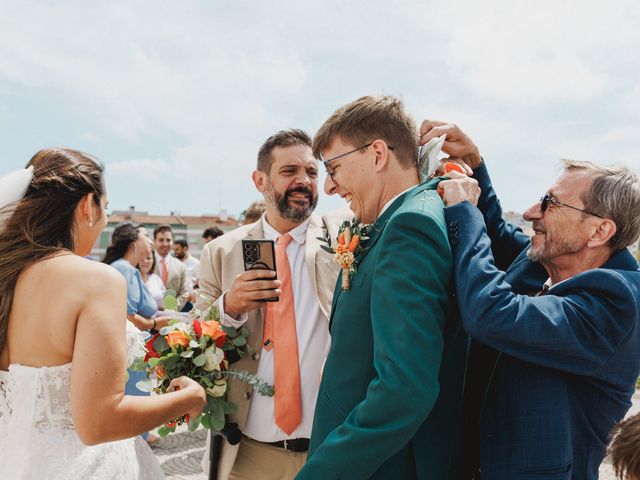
[{"x": 246, "y": 395}]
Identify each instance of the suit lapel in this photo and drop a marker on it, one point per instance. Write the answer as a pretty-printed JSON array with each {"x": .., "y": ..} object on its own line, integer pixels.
[
  {"x": 381, "y": 222},
  {"x": 311, "y": 247},
  {"x": 256, "y": 231},
  {"x": 376, "y": 233}
]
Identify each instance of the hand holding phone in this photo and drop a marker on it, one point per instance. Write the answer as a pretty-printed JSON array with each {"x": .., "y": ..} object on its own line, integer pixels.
[{"x": 259, "y": 255}]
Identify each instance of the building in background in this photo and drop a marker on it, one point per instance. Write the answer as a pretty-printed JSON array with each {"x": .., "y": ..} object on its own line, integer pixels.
[{"x": 187, "y": 227}]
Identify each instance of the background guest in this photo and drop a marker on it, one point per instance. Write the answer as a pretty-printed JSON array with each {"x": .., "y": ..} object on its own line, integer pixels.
[
  {"x": 130, "y": 245},
  {"x": 152, "y": 281},
  {"x": 253, "y": 213},
  {"x": 192, "y": 264},
  {"x": 211, "y": 234},
  {"x": 171, "y": 270}
]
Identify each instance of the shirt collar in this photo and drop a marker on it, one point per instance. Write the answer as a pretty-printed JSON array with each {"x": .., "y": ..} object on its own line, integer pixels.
[
  {"x": 549, "y": 284},
  {"x": 298, "y": 234}
]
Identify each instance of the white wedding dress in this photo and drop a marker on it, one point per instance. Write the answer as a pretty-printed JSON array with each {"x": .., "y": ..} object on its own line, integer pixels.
[{"x": 38, "y": 439}]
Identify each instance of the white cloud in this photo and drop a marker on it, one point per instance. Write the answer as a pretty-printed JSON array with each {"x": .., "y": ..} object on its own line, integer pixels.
[{"x": 181, "y": 95}]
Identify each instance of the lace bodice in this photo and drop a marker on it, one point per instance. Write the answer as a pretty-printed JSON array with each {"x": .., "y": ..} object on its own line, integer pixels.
[
  {"x": 42, "y": 394},
  {"x": 37, "y": 434}
]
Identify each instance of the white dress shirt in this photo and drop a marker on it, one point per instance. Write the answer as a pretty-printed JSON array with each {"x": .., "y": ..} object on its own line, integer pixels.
[
  {"x": 192, "y": 273},
  {"x": 156, "y": 288},
  {"x": 312, "y": 328}
]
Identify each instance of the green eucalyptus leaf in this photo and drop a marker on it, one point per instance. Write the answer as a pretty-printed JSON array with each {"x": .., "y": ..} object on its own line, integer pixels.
[
  {"x": 188, "y": 354},
  {"x": 206, "y": 421},
  {"x": 160, "y": 344},
  {"x": 217, "y": 419},
  {"x": 228, "y": 330},
  {"x": 207, "y": 381},
  {"x": 171, "y": 362},
  {"x": 154, "y": 361},
  {"x": 200, "y": 360},
  {"x": 138, "y": 365},
  {"x": 163, "y": 431},
  {"x": 244, "y": 331},
  {"x": 170, "y": 303},
  {"x": 194, "y": 423},
  {"x": 230, "y": 408},
  {"x": 239, "y": 341}
]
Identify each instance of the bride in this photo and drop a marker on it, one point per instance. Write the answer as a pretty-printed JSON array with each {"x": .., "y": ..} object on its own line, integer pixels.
[{"x": 63, "y": 358}]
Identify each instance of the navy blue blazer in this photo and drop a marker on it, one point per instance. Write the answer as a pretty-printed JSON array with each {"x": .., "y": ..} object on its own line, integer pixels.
[{"x": 551, "y": 374}]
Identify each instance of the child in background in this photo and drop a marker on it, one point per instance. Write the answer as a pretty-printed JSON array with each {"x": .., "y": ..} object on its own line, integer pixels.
[{"x": 624, "y": 449}]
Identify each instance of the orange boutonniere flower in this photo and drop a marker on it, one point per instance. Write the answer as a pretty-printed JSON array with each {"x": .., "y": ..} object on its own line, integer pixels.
[{"x": 349, "y": 244}]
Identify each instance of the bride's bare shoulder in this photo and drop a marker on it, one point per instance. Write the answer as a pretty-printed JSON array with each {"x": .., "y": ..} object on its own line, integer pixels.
[{"x": 82, "y": 272}]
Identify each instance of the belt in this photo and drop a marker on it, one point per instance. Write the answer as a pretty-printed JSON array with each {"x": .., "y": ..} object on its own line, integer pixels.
[{"x": 291, "y": 445}]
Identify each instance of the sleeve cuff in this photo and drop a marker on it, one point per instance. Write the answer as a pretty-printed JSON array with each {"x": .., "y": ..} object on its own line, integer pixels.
[{"x": 227, "y": 320}]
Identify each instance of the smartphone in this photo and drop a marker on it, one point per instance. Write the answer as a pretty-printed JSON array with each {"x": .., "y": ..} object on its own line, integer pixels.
[{"x": 260, "y": 254}]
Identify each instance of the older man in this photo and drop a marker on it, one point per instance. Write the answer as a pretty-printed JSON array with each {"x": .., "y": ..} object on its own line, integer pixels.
[
  {"x": 552, "y": 371},
  {"x": 392, "y": 384},
  {"x": 290, "y": 338}
]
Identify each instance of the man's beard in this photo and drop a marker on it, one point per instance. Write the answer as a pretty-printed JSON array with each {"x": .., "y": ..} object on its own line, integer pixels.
[
  {"x": 546, "y": 253},
  {"x": 288, "y": 211}
]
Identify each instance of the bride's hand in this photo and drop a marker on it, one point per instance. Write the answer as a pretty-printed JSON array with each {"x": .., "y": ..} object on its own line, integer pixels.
[
  {"x": 196, "y": 394},
  {"x": 162, "y": 322}
]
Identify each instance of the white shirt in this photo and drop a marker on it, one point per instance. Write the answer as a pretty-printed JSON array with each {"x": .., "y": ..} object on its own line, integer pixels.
[
  {"x": 192, "y": 274},
  {"x": 156, "y": 288},
  {"x": 312, "y": 328}
]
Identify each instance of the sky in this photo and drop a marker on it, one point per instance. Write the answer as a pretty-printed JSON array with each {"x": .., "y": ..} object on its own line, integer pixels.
[{"x": 175, "y": 98}]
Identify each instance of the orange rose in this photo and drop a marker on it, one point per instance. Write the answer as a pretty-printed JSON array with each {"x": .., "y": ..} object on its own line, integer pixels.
[
  {"x": 212, "y": 329},
  {"x": 177, "y": 337}
]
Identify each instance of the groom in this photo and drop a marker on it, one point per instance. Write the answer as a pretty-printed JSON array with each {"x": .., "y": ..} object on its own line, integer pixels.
[{"x": 392, "y": 384}]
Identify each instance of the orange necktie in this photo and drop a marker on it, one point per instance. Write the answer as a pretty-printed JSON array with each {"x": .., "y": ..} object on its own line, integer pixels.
[
  {"x": 165, "y": 271},
  {"x": 280, "y": 334}
]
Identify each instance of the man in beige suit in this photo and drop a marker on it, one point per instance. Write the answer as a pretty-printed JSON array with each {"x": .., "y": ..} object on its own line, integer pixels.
[
  {"x": 276, "y": 429},
  {"x": 171, "y": 270}
]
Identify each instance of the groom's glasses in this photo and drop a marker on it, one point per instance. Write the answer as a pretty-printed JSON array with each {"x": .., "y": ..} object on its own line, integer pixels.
[
  {"x": 331, "y": 171},
  {"x": 548, "y": 199}
]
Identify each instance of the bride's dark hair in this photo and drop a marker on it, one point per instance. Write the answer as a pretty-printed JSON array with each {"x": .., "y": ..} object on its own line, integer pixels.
[{"x": 41, "y": 224}]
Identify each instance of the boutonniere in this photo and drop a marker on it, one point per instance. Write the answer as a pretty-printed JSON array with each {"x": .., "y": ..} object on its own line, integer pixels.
[{"x": 349, "y": 243}]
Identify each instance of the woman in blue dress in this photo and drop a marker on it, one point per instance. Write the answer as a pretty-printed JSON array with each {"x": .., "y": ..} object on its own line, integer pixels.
[{"x": 130, "y": 244}]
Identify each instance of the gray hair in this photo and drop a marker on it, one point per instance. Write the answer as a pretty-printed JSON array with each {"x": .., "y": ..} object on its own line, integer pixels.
[{"x": 614, "y": 194}]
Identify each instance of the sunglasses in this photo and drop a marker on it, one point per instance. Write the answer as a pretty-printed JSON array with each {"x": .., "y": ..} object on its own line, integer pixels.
[{"x": 548, "y": 199}]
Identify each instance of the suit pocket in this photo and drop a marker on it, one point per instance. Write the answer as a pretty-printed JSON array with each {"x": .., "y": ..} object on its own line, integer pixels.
[{"x": 555, "y": 472}]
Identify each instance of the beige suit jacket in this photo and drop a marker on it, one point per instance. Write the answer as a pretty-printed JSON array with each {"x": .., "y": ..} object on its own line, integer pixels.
[
  {"x": 177, "y": 278},
  {"x": 220, "y": 262}
]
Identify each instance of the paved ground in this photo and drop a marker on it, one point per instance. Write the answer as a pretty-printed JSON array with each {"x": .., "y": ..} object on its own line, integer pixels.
[{"x": 180, "y": 453}]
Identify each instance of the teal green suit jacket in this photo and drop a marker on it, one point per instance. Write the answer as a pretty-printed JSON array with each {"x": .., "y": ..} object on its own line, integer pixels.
[{"x": 392, "y": 384}]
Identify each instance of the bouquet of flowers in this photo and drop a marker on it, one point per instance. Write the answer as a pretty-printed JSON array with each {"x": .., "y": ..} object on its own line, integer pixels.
[
  {"x": 202, "y": 349},
  {"x": 349, "y": 244}
]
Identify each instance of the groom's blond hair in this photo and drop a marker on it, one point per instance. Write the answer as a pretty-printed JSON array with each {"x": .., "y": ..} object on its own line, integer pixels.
[{"x": 370, "y": 118}]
